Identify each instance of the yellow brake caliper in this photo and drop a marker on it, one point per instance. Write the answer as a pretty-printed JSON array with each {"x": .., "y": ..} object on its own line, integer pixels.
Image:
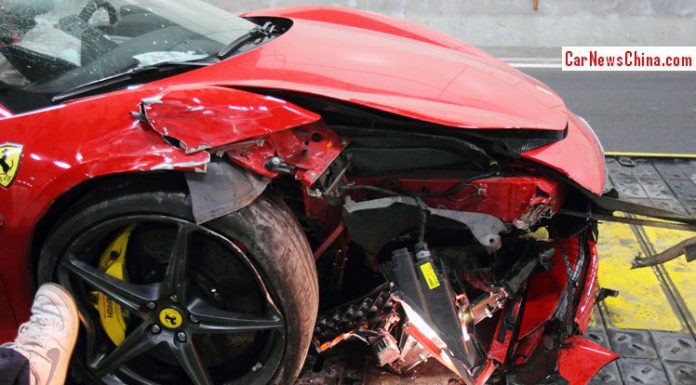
[{"x": 112, "y": 263}]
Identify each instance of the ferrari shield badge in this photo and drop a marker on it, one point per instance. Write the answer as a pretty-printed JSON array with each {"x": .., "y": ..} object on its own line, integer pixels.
[{"x": 10, "y": 156}]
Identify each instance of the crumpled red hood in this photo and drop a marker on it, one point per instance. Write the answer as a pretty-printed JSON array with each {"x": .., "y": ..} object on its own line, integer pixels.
[
  {"x": 407, "y": 69},
  {"x": 397, "y": 74}
]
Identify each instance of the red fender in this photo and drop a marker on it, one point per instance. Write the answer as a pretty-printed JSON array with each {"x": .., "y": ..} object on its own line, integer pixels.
[
  {"x": 62, "y": 147},
  {"x": 206, "y": 117},
  {"x": 579, "y": 156},
  {"x": 102, "y": 136}
]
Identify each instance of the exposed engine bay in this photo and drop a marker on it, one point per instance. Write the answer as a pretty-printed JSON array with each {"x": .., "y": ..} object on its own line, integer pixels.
[
  {"x": 427, "y": 246},
  {"x": 455, "y": 252}
]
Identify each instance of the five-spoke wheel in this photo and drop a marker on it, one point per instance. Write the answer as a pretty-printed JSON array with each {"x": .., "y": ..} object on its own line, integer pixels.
[{"x": 198, "y": 304}]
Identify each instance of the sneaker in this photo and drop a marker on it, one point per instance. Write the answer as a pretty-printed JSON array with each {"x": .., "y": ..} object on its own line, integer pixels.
[{"x": 48, "y": 339}]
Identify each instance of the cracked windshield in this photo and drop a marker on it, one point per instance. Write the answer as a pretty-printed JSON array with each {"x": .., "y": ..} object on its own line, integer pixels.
[{"x": 51, "y": 46}]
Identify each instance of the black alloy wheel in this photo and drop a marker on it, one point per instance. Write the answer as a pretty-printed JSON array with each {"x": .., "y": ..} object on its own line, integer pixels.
[{"x": 199, "y": 308}]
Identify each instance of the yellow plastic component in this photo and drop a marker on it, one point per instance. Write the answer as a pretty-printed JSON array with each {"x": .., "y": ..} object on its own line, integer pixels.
[
  {"x": 429, "y": 275},
  {"x": 111, "y": 315},
  {"x": 642, "y": 303},
  {"x": 542, "y": 234}
]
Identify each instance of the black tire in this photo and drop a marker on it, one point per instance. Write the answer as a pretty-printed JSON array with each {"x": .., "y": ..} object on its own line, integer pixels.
[{"x": 266, "y": 229}]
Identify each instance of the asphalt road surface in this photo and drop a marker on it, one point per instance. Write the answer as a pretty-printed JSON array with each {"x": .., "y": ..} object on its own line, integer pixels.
[{"x": 631, "y": 111}]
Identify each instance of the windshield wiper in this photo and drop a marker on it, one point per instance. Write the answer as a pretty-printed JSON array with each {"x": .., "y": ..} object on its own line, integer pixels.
[
  {"x": 250, "y": 36},
  {"x": 126, "y": 77}
]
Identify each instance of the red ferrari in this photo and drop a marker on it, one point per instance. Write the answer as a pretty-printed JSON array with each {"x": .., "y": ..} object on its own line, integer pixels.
[{"x": 228, "y": 197}]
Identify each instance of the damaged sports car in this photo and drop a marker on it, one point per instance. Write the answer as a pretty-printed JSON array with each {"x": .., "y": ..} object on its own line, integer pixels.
[{"x": 229, "y": 197}]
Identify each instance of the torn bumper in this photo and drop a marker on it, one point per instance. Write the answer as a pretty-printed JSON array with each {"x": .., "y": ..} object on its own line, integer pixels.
[{"x": 580, "y": 359}]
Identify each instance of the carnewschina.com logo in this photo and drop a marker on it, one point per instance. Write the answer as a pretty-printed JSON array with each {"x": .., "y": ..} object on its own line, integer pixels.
[{"x": 628, "y": 59}]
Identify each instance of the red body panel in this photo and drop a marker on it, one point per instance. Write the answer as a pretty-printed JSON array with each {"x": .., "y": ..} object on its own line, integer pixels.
[
  {"x": 499, "y": 349},
  {"x": 528, "y": 345},
  {"x": 579, "y": 156},
  {"x": 544, "y": 292},
  {"x": 375, "y": 22},
  {"x": 587, "y": 298},
  {"x": 545, "y": 288},
  {"x": 309, "y": 150},
  {"x": 202, "y": 118},
  {"x": 581, "y": 359}
]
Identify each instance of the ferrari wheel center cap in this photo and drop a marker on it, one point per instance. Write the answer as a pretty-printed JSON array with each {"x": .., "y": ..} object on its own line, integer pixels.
[{"x": 171, "y": 318}]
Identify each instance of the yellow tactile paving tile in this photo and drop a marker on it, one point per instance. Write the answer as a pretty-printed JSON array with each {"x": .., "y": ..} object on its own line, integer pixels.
[
  {"x": 682, "y": 273},
  {"x": 642, "y": 302}
]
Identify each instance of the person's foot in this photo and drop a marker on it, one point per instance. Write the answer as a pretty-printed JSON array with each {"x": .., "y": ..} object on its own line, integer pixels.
[{"x": 48, "y": 339}]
